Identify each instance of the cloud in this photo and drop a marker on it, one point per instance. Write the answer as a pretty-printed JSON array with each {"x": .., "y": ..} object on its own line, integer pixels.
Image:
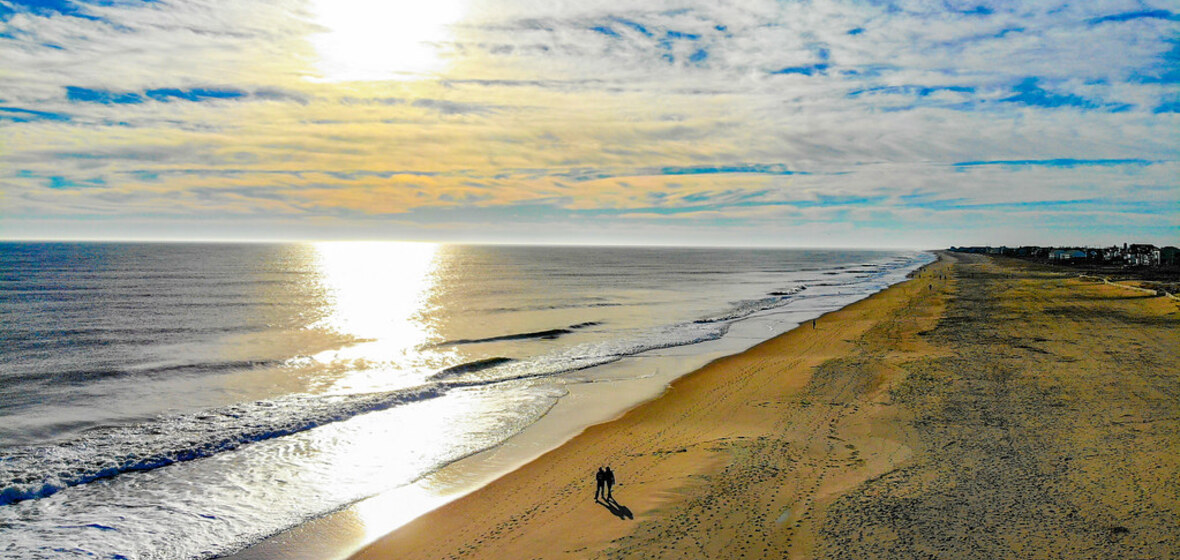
[
  {"x": 454, "y": 107},
  {"x": 712, "y": 119}
]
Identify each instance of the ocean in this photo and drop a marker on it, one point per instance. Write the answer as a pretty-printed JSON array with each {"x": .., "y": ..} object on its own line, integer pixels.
[{"x": 184, "y": 401}]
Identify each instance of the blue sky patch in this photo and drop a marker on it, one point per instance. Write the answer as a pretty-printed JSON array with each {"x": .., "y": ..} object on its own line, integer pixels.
[
  {"x": 979, "y": 10},
  {"x": 1165, "y": 71},
  {"x": 166, "y": 95},
  {"x": 1130, "y": 16},
  {"x": 59, "y": 182},
  {"x": 920, "y": 91},
  {"x": 1167, "y": 107},
  {"x": 764, "y": 169},
  {"x": 810, "y": 70},
  {"x": 605, "y": 30},
  {"x": 1060, "y": 162},
  {"x": 1028, "y": 92},
  {"x": 962, "y": 204},
  {"x": 16, "y": 114},
  {"x": 1079, "y": 204},
  {"x": 636, "y": 26},
  {"x": 827, "y": 201},
  {"x": 45, "y": 8},
  {"x": 197, "y": 94},
  {"x": 87, "y": 95}
]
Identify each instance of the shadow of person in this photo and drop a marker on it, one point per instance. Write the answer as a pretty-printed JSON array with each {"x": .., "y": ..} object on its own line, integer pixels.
[{"x": 619, "y": 510}]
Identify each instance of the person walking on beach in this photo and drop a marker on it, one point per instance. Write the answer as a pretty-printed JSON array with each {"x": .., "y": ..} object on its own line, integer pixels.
[
  {"x": 609, "y": 478},
  {"x": 600, "y": 483}
]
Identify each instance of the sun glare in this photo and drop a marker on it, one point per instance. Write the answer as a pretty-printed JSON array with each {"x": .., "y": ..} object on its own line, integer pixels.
[
  {"x": 376, "y": 293},
  {"x": 383, "y": 40},
  {"x": 376, "y": 288}
]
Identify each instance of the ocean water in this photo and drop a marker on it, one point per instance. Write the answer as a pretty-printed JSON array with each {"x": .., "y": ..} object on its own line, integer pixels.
[{"x": 183, "y": 401}]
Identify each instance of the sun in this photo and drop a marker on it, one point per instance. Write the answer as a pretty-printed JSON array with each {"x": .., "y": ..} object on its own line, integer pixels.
[{"x": 383, "y": 40}]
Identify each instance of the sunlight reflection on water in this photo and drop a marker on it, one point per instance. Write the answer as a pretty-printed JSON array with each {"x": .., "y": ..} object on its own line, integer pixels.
[{"x": 378, "y": 292}]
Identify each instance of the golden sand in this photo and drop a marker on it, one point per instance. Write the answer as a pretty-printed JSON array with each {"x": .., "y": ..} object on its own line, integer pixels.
[{"x": 984, "y": 409}]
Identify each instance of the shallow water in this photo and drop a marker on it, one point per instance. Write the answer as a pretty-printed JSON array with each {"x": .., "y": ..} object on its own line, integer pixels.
[{"x": 185, "y": 400}]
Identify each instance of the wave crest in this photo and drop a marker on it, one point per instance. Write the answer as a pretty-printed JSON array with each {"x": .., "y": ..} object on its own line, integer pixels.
[{"x": 38, "y": 471}]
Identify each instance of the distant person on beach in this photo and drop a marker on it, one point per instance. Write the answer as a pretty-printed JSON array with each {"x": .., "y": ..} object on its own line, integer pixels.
[
  {"x": 813, "y": 323},
  {"x": 609, "y": 478},
  {"x": 600, "y": 483}
]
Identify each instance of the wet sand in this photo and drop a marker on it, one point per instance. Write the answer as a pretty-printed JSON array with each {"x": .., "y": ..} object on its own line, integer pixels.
[{"x": 985, "y": 409}]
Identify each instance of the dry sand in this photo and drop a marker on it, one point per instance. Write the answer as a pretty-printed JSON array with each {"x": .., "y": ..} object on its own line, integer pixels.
[{"x": 985, "y": 409}]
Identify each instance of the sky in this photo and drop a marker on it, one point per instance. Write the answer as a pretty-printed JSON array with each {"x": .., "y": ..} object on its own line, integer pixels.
[{"x": 870, "y": 123}]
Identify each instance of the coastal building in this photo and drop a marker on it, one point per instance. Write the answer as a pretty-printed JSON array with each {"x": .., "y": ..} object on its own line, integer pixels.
[
  {"x": 1112, "y": 253},
  {"x": 1142, "y": 255},
  {"x": 1138, "y": 254},
  {"x": 1067, "y": 254}
]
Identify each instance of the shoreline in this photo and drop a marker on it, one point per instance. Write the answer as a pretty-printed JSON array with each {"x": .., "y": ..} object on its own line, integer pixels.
[
  {"x": 343, "y": 533},
  {"x": 668, "y": 393},
  {"x": 962, "y": 400}
]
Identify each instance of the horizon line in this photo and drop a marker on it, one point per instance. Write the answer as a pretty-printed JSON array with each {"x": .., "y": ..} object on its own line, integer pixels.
[{"x": 637, "y": 244}]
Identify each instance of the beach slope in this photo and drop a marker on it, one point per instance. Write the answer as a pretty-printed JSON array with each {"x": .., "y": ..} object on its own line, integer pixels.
[{"x": 983, "y": 409}]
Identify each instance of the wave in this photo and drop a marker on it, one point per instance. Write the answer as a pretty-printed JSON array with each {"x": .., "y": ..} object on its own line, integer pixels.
[
  {"x": 477, "y": 365},
  {"x": 31, "y": 472},
  {"x": 549, "y": 334},
  {"x": 552, "y": 306},
  {"x": 589, "y": 355},
  {"x": 76, "y": 339},
  {"x": 746, "y": 308},
  {"x": 81, "y": 375},
  {"x": 38, "y": 471}
]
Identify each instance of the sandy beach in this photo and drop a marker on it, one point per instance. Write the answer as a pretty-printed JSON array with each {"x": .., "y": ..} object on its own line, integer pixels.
[{"x": 984, "y": 409}]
